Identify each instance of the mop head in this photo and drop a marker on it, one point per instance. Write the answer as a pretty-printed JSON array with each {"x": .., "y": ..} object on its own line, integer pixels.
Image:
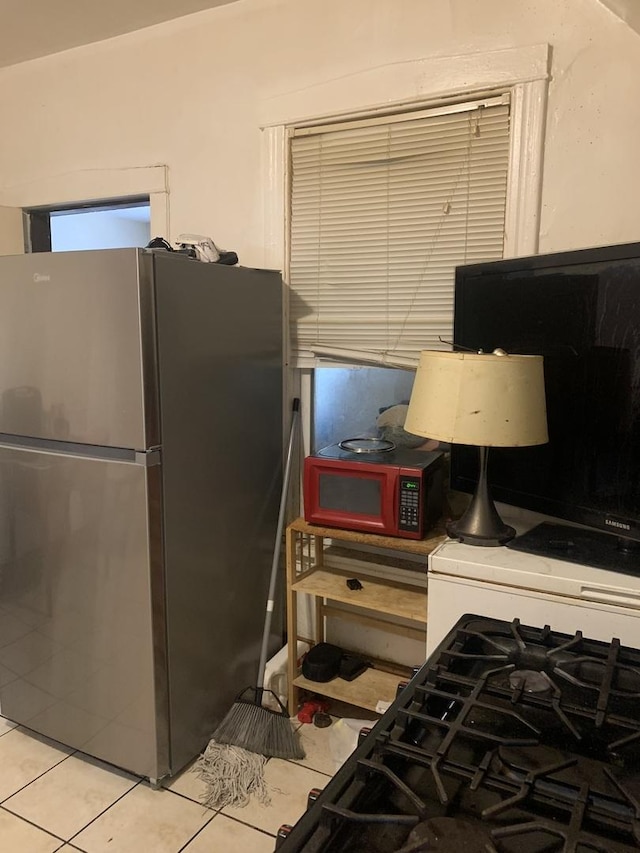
[
  {"x": 231, "y": 775},
  {"x": 259, "y": 730}
]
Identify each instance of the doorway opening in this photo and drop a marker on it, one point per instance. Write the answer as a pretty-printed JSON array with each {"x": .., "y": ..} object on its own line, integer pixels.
[{"x": 113, "y": 224}]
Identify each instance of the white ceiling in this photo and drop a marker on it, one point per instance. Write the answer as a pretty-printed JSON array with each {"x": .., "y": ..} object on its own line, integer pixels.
[
  {"x": 628, "y": 10},
  {"x": 33, "y": 28}
]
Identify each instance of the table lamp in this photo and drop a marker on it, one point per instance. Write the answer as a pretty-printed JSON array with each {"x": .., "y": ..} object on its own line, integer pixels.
[{"x": 485, "y": 400}]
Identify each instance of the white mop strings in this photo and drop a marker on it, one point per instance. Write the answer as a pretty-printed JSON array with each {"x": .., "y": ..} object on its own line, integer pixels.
[{"x": 231, "y": 775}]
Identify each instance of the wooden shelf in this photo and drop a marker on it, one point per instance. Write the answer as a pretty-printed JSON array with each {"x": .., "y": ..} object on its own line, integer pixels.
[
  {"x": 392, "y": 543},
  {"x": 394, "y": 599},
  {"x": 365, "y": 691},
  {"x": 401, "y": 602}
]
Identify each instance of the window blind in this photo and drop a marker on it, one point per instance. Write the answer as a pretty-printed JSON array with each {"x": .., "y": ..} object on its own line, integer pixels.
[{"x": 381, "y": 213}]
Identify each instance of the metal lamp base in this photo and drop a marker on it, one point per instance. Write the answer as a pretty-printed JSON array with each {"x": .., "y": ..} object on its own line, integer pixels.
[
  {"x": 456, "y": 531},
  {"x": 481, "y": 524}
]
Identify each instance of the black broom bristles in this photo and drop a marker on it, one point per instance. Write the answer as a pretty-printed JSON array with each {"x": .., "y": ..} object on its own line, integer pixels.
[{"x": 259, "y": 729}]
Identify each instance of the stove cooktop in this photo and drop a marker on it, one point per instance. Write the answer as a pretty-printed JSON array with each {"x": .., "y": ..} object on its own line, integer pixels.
[{"x": 510, "y": 739}]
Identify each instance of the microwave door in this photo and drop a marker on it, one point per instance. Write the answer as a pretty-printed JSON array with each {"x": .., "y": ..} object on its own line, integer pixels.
[{"x": 357, "y": 497}]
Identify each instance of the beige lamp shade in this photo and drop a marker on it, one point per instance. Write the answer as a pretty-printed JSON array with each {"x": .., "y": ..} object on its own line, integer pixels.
[{"x": 482, "y": 399}]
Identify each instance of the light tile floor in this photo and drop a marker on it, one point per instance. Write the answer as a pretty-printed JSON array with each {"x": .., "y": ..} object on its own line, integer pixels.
[{"x": 52, "y": 798}]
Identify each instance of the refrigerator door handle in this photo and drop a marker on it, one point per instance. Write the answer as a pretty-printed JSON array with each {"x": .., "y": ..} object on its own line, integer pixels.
[{"x": 147, "y": 458}]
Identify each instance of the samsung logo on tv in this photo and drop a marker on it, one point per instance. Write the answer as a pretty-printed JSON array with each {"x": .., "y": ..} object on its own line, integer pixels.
[
  {"x": 38, "y": 276},
  {"x": 619, "y": 524}
]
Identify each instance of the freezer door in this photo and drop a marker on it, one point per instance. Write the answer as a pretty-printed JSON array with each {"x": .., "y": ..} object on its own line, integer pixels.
[
  {"x": 76, "y": 340},
  {"x": 79, "y": 557}
]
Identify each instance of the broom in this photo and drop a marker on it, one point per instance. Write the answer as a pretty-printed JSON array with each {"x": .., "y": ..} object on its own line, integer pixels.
[{"x": 248, "y": 724}]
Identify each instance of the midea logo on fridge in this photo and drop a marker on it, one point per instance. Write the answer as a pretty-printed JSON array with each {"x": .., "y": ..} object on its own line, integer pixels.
[{"x": 38, "y": 277}]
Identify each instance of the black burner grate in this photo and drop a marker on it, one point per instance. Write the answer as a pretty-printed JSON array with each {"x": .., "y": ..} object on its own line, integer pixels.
[{"x": 522, "y": 739}]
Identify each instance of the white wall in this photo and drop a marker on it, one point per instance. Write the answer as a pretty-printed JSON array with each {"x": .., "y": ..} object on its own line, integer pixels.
[{"x": 190, "y": 94}]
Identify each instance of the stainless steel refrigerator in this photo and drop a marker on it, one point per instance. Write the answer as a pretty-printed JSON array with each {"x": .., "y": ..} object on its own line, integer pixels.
[{"x": 140, "y": 471}]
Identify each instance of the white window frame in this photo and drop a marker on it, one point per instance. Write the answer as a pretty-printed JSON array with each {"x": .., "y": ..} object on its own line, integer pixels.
[{"x": 523, "y": 71}]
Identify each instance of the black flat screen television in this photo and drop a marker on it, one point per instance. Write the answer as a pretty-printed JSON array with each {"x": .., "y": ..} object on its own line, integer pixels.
[{"x": 581, "y": 311}]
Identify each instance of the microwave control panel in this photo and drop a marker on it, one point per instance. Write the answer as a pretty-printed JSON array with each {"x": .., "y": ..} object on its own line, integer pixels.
[{"x": 409, "y": 515}]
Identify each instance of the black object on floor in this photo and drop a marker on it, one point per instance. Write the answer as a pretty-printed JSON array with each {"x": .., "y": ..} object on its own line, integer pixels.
[{"x": 321, "y": 720}]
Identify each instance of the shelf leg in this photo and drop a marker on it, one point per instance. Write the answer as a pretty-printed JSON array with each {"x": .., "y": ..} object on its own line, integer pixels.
[{"x": 292, "y": 623}]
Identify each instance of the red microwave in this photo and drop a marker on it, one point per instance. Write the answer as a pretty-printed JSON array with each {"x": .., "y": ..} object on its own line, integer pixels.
[{"x": 397, "y": 492}]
